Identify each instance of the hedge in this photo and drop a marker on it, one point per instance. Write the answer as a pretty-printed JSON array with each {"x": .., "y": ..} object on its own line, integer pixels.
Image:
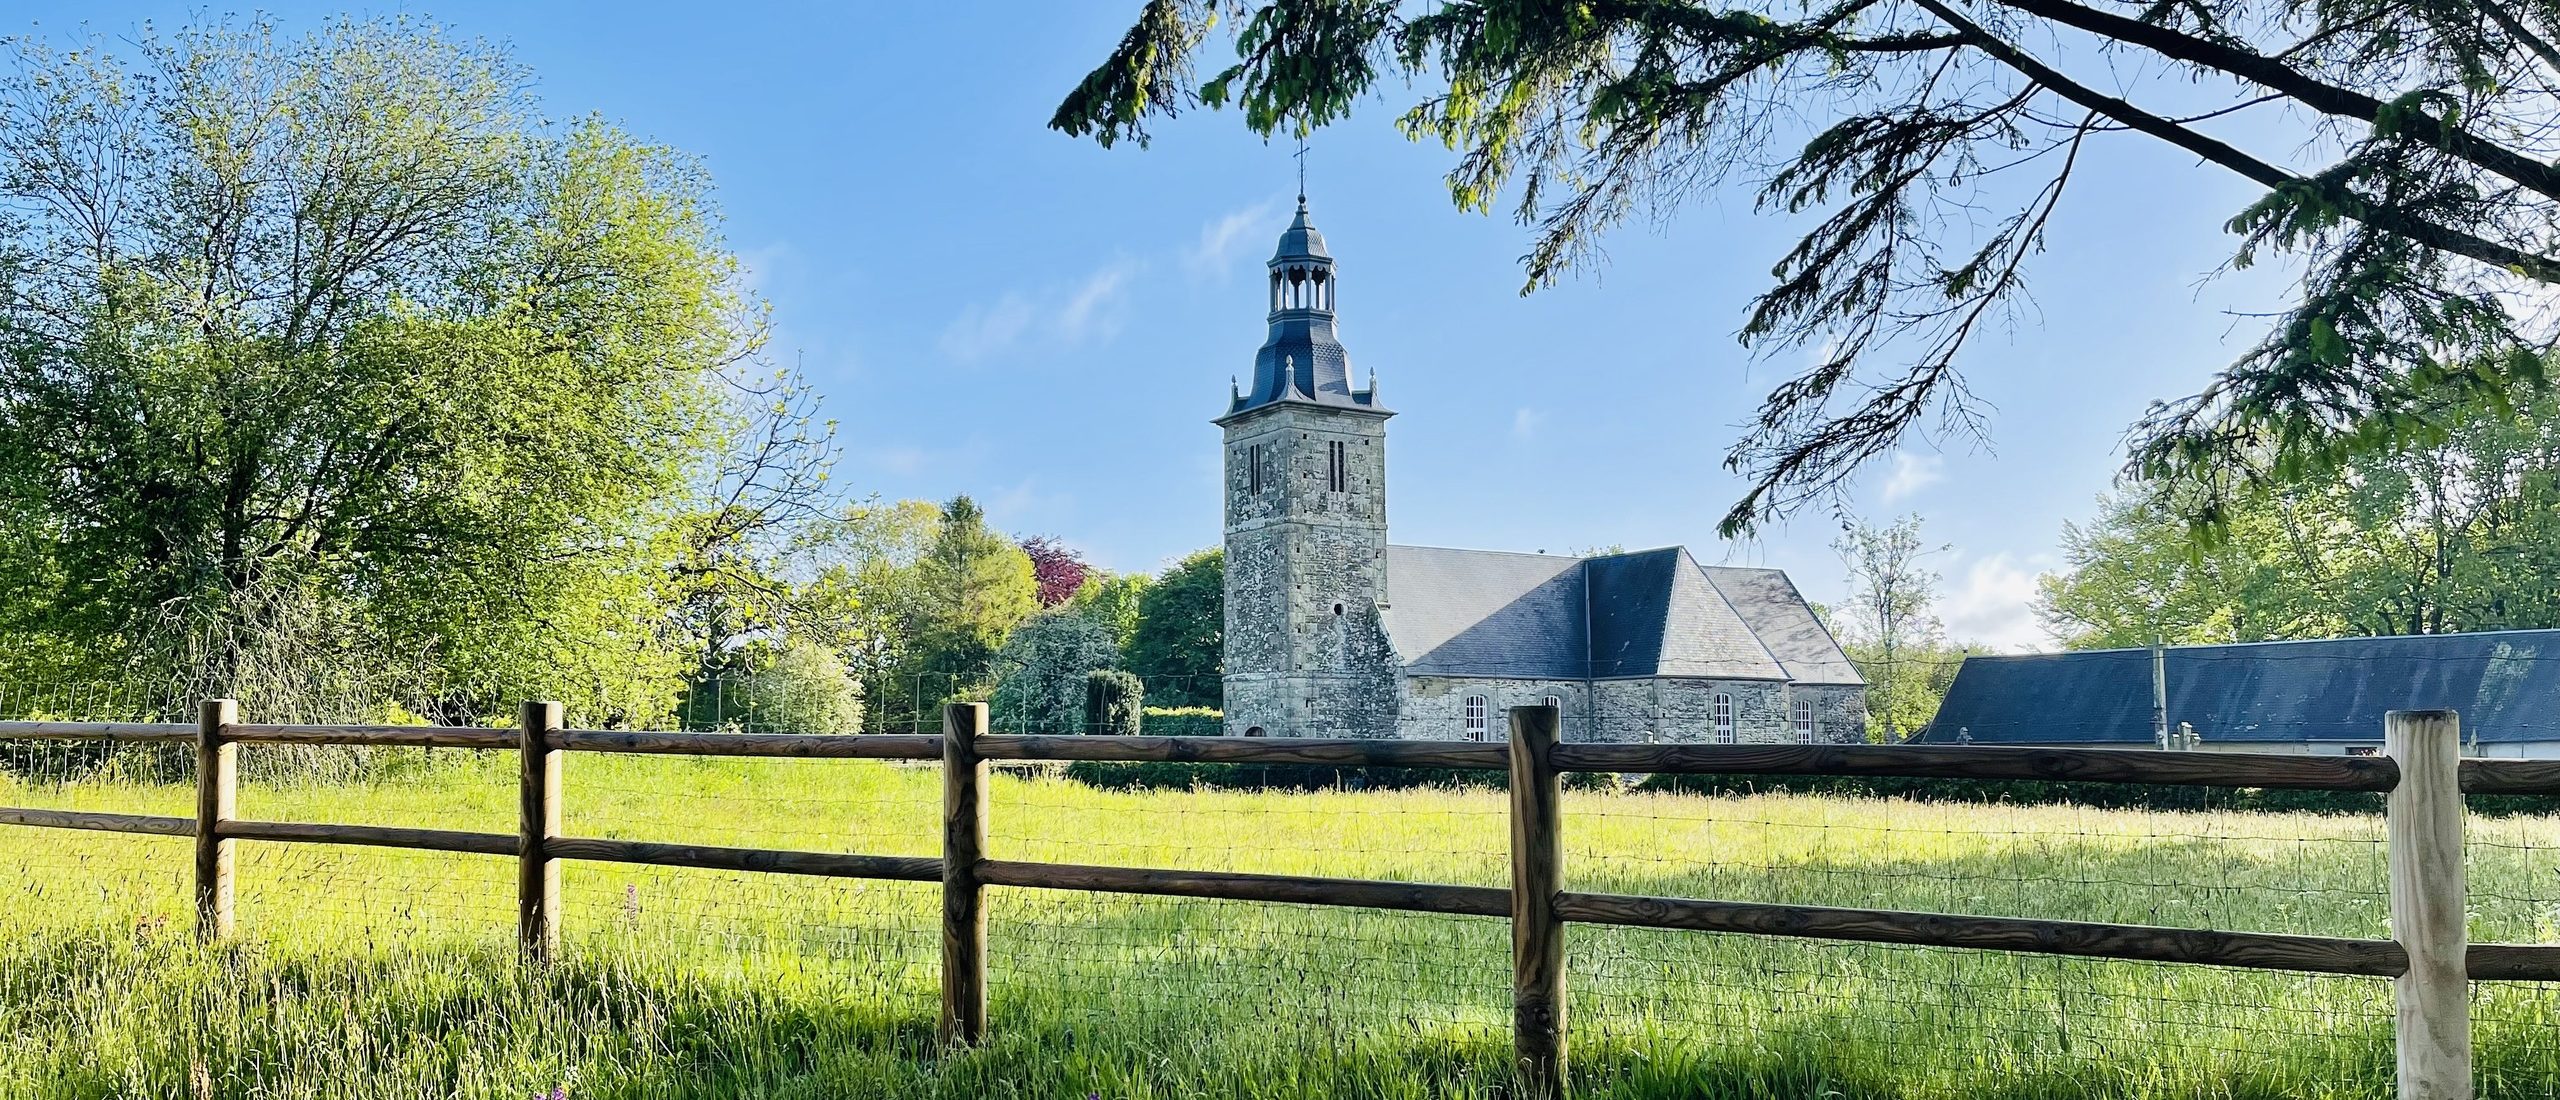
[
  {"x": 1185, "y": 722},
  {"x": 1169, "y": 775}
]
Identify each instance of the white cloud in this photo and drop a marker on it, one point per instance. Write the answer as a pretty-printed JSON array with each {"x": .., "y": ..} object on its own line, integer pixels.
[
  {"x": 1912, "y": 473},
  {"x": 1993, "y": 603},
  {"x": 1087, "y": 310},
  {"x": 1214, "y": 255},
  {"x": 1092, "y": 309},
  {"x": 982, "y": 330},
  {"x": 1026, "y": 506},
  {"x": 1524, "y": 423},
  {"x": 899, "y": 459}
]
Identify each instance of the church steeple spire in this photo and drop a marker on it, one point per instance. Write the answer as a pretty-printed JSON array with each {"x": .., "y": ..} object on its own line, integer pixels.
[{"x": 1302, "y": 361}]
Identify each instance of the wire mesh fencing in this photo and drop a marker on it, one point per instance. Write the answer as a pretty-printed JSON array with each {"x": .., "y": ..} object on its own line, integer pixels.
[
  {"x": 2512, "y": 864},
  {"x": 1652, "y": 1010},
  {"x": 1929, "y": 1021}
]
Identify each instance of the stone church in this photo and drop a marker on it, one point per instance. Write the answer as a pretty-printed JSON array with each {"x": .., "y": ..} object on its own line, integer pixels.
[{"x": 1331, "y": 632}]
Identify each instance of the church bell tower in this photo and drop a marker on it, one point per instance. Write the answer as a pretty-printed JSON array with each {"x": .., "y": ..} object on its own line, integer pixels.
[{"x": 1306, "y": 521}]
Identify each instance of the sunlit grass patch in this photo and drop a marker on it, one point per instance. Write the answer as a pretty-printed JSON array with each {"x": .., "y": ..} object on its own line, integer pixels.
[{"x": 371, "y": 973}]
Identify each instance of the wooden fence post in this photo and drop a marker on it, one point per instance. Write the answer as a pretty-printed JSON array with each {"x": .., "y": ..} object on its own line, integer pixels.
[
  {"x": 1537, "y": 934},
  {"x": 217, "y": 801},
  {"x": 537, "y": 874},
  {"x": 2424, "y": 829},
  {"x": 964, "y": 845}
]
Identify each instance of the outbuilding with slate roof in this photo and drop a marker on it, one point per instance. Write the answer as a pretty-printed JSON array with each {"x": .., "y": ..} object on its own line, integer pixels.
[
  {"x": 2321, "y": 697},
  {"x": 1330, "y": 631}
]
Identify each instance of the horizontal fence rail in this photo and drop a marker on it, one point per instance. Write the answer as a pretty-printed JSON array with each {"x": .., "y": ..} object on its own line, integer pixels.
[
  {"x": 423, "y": 737},
  {"x": 715, "y": 858},
  {"x": 144, "y": 824},
  {"x": 2140, "y": 943},
  {"x": 140, "y": 732},
  {"x": 2310, "y": 773},
  {"x": 369, "y": 836},
  {"x": 1533, "y": 762},
  {"x": 814, "y": 746}
]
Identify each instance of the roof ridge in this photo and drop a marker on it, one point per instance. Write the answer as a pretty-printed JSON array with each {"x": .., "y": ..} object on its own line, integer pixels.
[
  {"x": 2268, "y": 642},
  {"x": 1748, "y": 627}
]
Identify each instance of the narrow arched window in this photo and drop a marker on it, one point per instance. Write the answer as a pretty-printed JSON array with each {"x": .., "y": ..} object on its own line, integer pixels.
[
  {"x": 1804, "y": 721},
  {"x": 1724, "y": 719},
  {"x": 1479, "y": 718}
]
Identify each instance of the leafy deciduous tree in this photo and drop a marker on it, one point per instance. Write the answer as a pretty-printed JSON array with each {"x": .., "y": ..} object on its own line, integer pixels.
[
  {"x": 1059, "y": 568},
  {"x": 1178, "y": 646},
  {"x": 1043, "y": 670},
  {"x": 1892, "y": 636},
  {"x": 1112, "y": 600},
  {"x": 2462, "y": 533},
  {"x": 331, "y": 354}
]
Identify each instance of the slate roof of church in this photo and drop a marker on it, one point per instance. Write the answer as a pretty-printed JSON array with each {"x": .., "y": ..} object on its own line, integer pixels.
[
  {"x": 2505, "y": 685},
  {"x": 1486, "y": 613}
]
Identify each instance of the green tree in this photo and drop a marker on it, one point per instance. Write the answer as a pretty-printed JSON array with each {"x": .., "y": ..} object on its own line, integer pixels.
[
  {"x": 1178, "y": 647},
  {"x": 2459, "y": 533},
  {"x": 1891, "y": 635},
  {"x": 2403, "y": 151},
  {"x": 1042, "y": 672},
  {"x": 797, "y": 687},
  {"x": 331, "y": 359},
  {"x": 2137, "y": 575},
  {"x": 971, "y": 587},
  {"x": 1112, "y": 599}
]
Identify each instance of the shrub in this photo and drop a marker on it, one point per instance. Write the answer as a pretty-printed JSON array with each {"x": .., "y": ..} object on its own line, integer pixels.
[
  {"x": 1114, "y": 702},
  {"x": 1186, "y": 721},
  {"x": 1042, "y": 686}
]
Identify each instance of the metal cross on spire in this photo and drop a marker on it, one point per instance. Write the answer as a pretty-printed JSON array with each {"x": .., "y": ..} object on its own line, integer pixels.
[{"x": 1302, "y": 169}]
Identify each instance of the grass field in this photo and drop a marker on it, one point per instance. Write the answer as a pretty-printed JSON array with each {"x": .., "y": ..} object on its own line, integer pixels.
[{"x": 375, "y": 974}]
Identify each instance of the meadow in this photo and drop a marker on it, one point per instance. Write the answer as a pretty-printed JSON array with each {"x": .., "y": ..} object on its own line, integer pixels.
[{"x": 369, "y": 973}]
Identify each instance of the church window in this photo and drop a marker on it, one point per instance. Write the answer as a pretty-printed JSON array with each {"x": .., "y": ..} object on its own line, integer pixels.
[
  {"x": 1804, "y": 721},
  {"x": 1479, "y": 724},
  {"x": 1253, "y": 463},
  {"x": 1337, "y": 476},
  {"x": 1724, "y": 719}
]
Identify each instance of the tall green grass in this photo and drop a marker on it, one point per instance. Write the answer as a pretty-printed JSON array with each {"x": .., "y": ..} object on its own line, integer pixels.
[{"x": 365, "y": 973}]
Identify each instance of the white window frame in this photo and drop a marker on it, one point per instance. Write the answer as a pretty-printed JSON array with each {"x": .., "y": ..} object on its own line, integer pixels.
[
  {"x": 1803, "y": 716},
  {"x": 1477, "y": 713},
  {"x": 1724, "y": 719}
]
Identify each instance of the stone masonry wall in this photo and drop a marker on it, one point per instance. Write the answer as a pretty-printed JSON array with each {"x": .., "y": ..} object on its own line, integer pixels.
[
  {"x": 1305, "y": 655},
  {"x": 1656, "y": 710},
  {"x": 1759, "y": 711},
  {"x": 1839, "y": 712},
  {"x": 1435, "y": 706}
]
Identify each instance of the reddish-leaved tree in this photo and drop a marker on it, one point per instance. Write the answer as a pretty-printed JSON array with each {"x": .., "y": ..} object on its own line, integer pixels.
[{"x": 1059, "y": 568}]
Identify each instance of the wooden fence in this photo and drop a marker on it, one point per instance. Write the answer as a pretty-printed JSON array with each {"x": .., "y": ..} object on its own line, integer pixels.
[{"x": 2429, "y": 957}]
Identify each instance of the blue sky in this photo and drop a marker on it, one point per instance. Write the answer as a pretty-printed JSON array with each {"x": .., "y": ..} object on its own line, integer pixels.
[{"x": 993, "y": 308}]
